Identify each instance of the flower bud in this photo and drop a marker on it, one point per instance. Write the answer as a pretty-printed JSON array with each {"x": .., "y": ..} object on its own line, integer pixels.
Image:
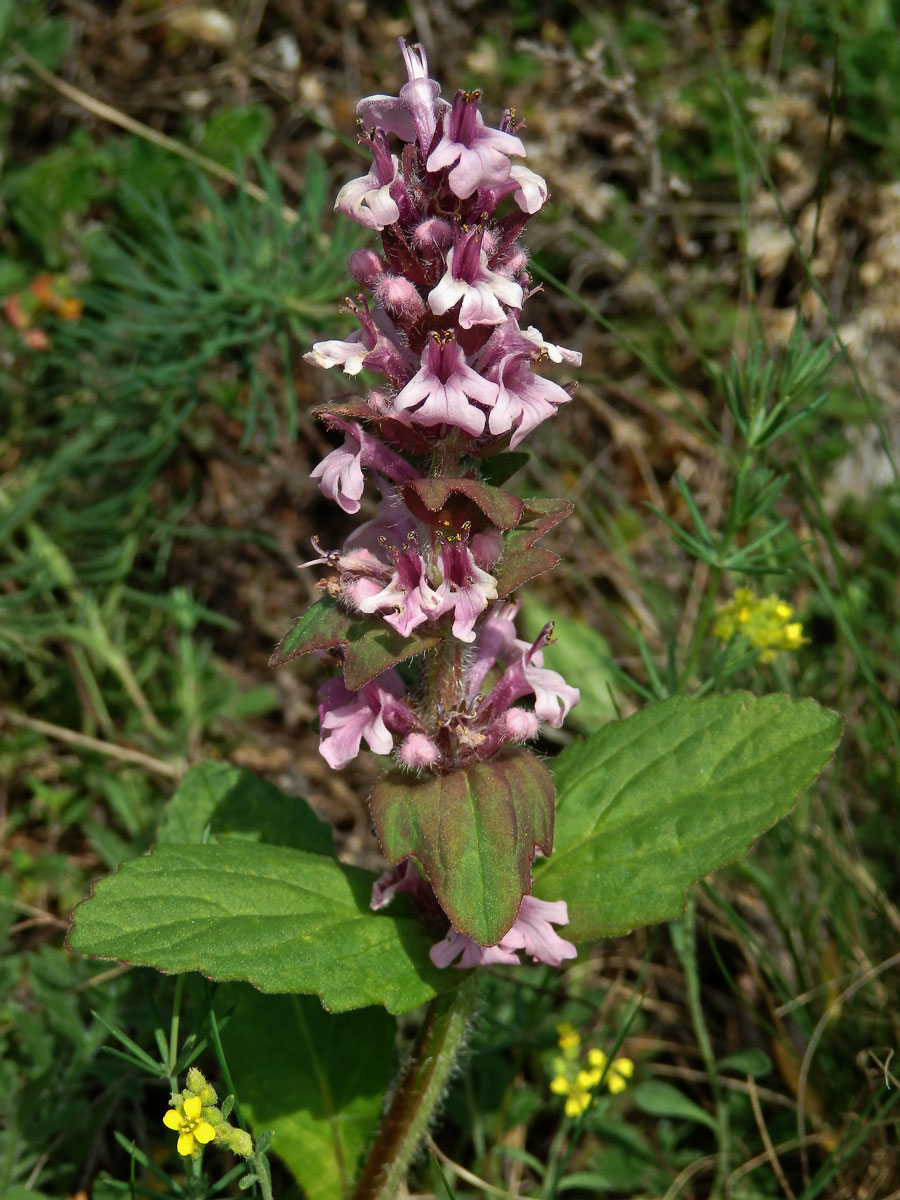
[
  {"x": 433, "y": 236},
  {"x": 238, "y": 1141},
  {"x": 486, "y": 547},
  {"x": 418, "y": 751},
  {"x": 400, "y": 297},
  {"x": 366, "y": 266},
  {"x": 516, "y": 260},
  {"x": 196, "y": 1083},
  {"x": 520, "y": 725}
]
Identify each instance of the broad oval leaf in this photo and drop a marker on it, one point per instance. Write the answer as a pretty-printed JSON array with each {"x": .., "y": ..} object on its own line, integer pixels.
[
  {"x": 370, "y": 645},
  {"x": 281, "y": 919},
  {"x": 475, "y": 832},
  {"x": 649, "y": 805},
  {"x": 216, "y": 800},
  {"x": 316, "y": 1079}
]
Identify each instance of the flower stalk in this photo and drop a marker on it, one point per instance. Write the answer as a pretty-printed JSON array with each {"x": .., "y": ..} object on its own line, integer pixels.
[{"x": 420, "y": 1088}]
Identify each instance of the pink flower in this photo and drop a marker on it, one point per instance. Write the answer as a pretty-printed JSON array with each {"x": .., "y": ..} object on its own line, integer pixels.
[
  {"x": 348, "y": 354},
  {"x": 532, "y": 932},
  {"x": 340, "y": 471},
  {"x": 418, "y": 752},
  {"x": 531, "y": 191},
  {"x": 341, "y": 475},
  {"x": 525, "y": 673},
  {"x": 368, "y": 199},
  {"x": 524, "y": 399},
  {"x": 466, "y": 590},
  {"x": 412, "y": 114},
  {"x": 403, "y": 878},
  {"x": 441, "y": 390},
  {"x": 469, "y": 280},
  {"x": 478, "y": 156},
  {"x": 408, "y": 599},
  {"x": 556, "y": 354},
  {"x": 347, "y": 718}
]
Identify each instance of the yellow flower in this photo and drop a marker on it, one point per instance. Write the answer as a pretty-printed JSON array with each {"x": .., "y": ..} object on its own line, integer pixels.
[
  {"x": 569, "y": 1041},
  {"x": 765, "y": 623},
  {"x": 620, "y": 1071},
  {"x": 190, "y": 1125}
]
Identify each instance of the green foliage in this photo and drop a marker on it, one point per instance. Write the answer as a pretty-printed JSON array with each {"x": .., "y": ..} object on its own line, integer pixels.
[
  {"x": 370, "y": 646},
  {"x": 270, "y": 915},
  {"x": 650, "y": 804},
  {"x": 475, "y": 831},
  {"x": 317, "y": 1080},
  {"x": 575, "y": 643},
  {"x": 216, "y": 801}
]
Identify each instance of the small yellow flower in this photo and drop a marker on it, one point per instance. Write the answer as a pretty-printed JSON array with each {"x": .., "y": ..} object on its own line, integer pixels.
[
  {"x": 190, "y": 1125},
  {"x": 569, "y": 1041},
  {"x": 764, "y": 622},
  {"x": 620, "y": 1071}
]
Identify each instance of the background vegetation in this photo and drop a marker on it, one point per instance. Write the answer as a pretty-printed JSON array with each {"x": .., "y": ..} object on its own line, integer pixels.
[{"x": 723, "y": 233}]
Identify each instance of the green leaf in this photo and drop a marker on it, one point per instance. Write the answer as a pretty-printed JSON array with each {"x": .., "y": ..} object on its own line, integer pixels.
[
  {"x": 751, "y": 1061},
  {"x": 475, "y": 832},
  {"x": 522, "y": 560},
  {"x": 234, "y": 803},
  {"x": 281, "y": 919},
  {"x": 660, "y": 1099},
  {"x": 649, "y": 805},
  {"x": 575, "y": 644},
  {"x": 316, "y": 1079},
  {"x": 500, "y": 467},
  {"x": 236, "y": 131},
  {"x": 370, "y": 644}
]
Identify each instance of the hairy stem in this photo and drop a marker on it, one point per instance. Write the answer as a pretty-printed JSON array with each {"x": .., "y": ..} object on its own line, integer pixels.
[{"x": 420, "y": 1088}]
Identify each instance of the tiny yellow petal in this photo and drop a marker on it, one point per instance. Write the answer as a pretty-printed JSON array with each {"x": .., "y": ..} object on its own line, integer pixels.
[
  {"x": 743, "y": 615},
  {"x": 185, "y": 1145},
  {"x": 172, "y": 1119},
  {"x": 596, "y": 1058},
  {"x": 192, "y": 1107},
  {"x": 204, "y": 1132},
  {"x": 623, "y": 1066},
  {"x": 783, "y": 611},
  {"x": 588, "y": 1079},
  {"x": 560, "y": 1085},
  {"x": 615, "y": 1083},
  {"x": 575, "y": 1105}
]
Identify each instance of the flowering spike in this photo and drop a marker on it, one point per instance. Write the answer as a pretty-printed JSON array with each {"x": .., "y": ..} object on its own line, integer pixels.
[{"x": 460, "y": 382}]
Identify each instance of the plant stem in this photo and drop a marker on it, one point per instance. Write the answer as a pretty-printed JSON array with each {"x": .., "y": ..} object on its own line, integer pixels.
[
  {"x": 420, "y": 1088},
  {"x": 684, "y": 939}
]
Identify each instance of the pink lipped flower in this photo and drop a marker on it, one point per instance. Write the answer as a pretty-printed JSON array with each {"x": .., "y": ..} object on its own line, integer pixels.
[
  {"x": 368, "y": 199},
  {"x": 466, "y": 589},
  {"x": 408, "y": 599},
  {"x": 372, "y": 714},
  {"x": 532, "y": 932},
  {"x": 341, "y": 472},
  {"x": 469, "y": 279},
  {"x": 476, "y": 155},
  {"x": 413, "y": 114},
  {"x": 442, "y": 390}
]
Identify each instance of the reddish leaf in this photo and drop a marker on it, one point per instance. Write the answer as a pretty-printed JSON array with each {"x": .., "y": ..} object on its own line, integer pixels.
[
  {"x": 521, "y": 559},
  {"x": 475, "y": 832},
  {"x": 502, "y": 509}
]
